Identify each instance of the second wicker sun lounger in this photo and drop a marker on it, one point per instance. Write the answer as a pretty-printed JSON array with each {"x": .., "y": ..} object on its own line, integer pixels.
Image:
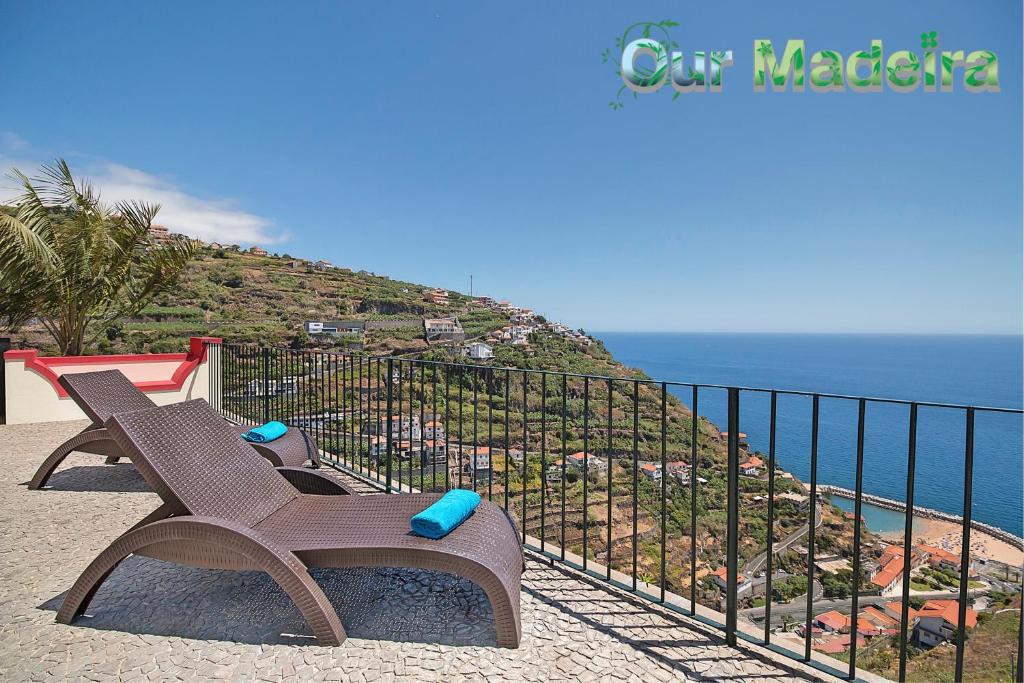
[
  {"x": 103, "y": 393},
  {"x": 226, "y": 508}
]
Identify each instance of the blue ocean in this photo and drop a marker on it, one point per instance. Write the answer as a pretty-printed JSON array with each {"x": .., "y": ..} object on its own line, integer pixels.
[{"x": 969, "y": 369}]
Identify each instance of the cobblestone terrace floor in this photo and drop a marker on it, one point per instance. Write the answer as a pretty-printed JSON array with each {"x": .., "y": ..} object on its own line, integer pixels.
[{"x": 153, "y": 620}]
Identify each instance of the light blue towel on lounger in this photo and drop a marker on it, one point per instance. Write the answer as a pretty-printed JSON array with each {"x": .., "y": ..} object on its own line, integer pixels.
[
  {"x": 265, "y": 433},
  {"x": 442, "y": 517}
]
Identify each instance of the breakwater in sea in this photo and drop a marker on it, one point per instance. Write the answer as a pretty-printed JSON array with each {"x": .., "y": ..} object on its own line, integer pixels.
[{"x": 889, "y": 504}]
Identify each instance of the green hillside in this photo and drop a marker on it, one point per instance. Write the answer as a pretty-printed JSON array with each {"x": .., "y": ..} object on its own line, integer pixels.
[{"x": 264, "y": 300}]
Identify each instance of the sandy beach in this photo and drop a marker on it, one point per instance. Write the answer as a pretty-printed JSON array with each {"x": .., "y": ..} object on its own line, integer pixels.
[{"x": 946, "y": 535}]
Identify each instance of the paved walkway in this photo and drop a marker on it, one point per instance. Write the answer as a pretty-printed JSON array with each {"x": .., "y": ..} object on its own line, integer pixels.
[{"x": 153, "y": 620}]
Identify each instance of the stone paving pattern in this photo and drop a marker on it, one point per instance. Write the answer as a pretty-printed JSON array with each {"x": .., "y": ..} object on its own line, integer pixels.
[{"x": 156, "y": 621}]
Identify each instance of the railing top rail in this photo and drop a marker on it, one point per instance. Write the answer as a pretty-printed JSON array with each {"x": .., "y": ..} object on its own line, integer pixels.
[{"x": 672, "y": 383}]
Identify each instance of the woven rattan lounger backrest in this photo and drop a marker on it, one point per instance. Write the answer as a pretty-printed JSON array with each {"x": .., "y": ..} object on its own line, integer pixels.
[
  {"x": 103, "y": 393},
  {"x": 189, "y": 454}
]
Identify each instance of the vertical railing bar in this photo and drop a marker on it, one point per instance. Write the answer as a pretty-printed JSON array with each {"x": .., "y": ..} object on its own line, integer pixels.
[
  {"x": 355, "y": 403},
  {"x": 447, "y": 423},
  {"x": 401, "y": 425},
  {"x": 636, "y": 472},
  {"x": 911, "y": 457},
  {"x": 508, "y": 467},
  {"x": 377, "y": 418},
  {"x": 1019, "y": 674},
  {"x": 526, "y": 437},
  {"x": 410, "y": 390},
  {"x": 769, "y": 550},
  {"x": 318, "y": 397},
  {"x": 815, "y": 401},
  {"x": 387, "y": 422},
  {"x": 857, "y": 508},
  {"x": 282, "y": 366},
  {"x": 311, "y": 398},
  {"x": 586, "y": 466},
  {"x": 278, "y": 413},
  {"x": 565, "y": 383},
  {"x": 965, "y": 541},
  {"x": 490, "y": 434},
  {"x": 301, "y": 402},
  {"x": 359, "y": 413},
  {"x": 732, "y": 517},
  {"x": 338, "y": 431},
  {"x": 543, "y": 457},
  {"x": 412, "y": 422},
  {"x": 476, "y": 435},
  {"x": 433, "y": 446},
  {"x": 347, "y": 413},
  {"x": 423, "y": 426},
  {"x": 334, "y": 378},
  {"x": 325, "y": 400},
  {"x": 608, "y": 558},
  {"x": 242, "y": 370},
  {"x": 664, "y": 482},
  {"x": 693, "y": 502},
  {"x": 247, "y": 394},
  {"x": 462, "y": 400}
]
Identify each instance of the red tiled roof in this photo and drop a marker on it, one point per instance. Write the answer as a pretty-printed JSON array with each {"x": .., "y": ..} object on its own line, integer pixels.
[
  {"x": 830, "y": 648},
  {"x": 723, "y": 574},
  {"x": 878, "y": 616},
  {"x": 948, "y": 610},
  {"x": 889, "y": 572},
  {"x": 940, "y": 553},
  {"x": 897, "y": 607},
  {"x": 833, "y": 620}
]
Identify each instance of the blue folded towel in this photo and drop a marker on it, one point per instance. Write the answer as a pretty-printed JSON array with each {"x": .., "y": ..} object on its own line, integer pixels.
[
  {"x": 442, "y": 517},
  {"x": 264, "y": 433}
]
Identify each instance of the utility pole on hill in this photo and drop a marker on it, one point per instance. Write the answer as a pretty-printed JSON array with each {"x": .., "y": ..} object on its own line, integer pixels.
[{"x": 470, "y": 285}]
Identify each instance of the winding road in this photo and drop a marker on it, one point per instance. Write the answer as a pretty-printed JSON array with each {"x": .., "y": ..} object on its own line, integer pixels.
[{"x": 754, "y": 564}]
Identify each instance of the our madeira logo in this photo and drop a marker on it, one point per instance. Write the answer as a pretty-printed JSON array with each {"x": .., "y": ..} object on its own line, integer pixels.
[{"x": 649, "y": 59}]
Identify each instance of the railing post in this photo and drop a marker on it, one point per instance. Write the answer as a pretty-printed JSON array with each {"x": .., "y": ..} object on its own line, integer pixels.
[
  {"x": 733, "y": 517},
  {"x": 266, "y": 385},
  {"x": 387, "y": 422}
]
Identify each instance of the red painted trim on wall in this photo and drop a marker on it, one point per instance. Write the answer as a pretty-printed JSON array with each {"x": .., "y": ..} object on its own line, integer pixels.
[{"x": 43, "y": 366}]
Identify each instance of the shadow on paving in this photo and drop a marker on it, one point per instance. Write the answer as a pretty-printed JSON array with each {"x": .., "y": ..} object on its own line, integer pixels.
[
  {"x": 119, "y": 478},
  {"x": 147, "y": 596},
  {"x": 659, "y": 635}
]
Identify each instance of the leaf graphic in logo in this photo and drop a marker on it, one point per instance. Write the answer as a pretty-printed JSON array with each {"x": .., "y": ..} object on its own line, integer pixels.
[
  {"x": 930, "y": 39},
  {"x": 647, "y": 76},
  {"x": 765, "y": 49}
]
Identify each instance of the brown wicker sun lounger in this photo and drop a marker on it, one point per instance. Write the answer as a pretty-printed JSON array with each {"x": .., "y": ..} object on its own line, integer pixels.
[
  {"x": 103, "y": 393},
  {"x": 226, "y": 508}
]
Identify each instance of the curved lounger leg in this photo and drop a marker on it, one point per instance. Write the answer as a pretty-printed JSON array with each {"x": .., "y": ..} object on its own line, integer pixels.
[
  {"x": 505, "y": 607},
  {"x": 112, "y": 459},
  {"x": 289, "y": 573},
  {"x": 42, "y": 475}
]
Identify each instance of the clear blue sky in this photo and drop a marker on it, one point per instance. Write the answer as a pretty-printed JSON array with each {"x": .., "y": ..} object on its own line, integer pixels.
[{"x": 431, "y": 140}]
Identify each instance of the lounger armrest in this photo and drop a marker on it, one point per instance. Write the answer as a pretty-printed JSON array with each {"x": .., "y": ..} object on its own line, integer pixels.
[{"x": 311, "y": 481}]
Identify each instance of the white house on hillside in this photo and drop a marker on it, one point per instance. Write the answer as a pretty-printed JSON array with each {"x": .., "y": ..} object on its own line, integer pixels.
[{"x": 478, "y": 351}]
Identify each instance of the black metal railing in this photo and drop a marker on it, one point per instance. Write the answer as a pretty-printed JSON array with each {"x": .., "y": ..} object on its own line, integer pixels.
[{"x": 653, "y": 497}]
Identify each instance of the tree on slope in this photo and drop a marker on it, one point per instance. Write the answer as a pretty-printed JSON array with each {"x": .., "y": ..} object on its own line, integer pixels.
[{"x": 76, "y": 265}]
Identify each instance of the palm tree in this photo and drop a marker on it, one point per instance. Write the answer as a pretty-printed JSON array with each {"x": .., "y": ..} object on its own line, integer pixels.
[{"x": 76, "y": 265}]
